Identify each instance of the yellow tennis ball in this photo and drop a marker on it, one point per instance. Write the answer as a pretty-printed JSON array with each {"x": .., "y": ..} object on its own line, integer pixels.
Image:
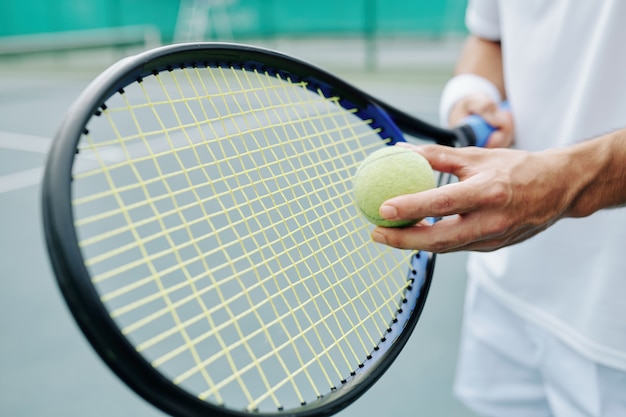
[{"x": 387, "y": 173}]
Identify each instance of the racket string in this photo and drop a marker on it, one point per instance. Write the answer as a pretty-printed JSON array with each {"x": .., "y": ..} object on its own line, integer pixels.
[
  {"x": 237, "y": 371},
  {"x": 265, "y": 213}
]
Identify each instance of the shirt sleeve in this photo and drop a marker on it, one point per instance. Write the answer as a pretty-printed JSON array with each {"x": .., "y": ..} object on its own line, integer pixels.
[{"x": 482, "y": 19}]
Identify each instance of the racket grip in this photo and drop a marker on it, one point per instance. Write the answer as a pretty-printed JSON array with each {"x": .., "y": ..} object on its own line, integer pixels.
[{"x": 482, "y": 130}]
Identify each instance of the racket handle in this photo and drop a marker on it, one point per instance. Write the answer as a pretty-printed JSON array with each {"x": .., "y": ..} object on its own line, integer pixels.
[{"x": 482, "y": 130}]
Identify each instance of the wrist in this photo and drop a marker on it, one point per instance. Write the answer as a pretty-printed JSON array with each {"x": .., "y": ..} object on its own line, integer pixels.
[
  {"x": 461, "y": 86},
  {"x": 597, "y": 174}
]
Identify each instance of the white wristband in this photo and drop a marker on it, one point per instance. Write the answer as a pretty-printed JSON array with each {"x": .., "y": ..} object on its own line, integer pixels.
[{"x": 461, "y": 86}]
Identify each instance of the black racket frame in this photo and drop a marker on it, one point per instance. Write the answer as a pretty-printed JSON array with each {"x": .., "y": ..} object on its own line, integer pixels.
[{"x": 73, "y": 277}]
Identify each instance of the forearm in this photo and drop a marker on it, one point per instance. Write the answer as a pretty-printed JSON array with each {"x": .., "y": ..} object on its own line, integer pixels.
[
  {"x": 484, "y": 58},
  {"x": 478, "y": 88},
  {"x": 598, "y": 171}
]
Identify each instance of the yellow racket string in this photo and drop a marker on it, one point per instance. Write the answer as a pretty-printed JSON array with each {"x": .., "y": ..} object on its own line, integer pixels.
[{"x": 214, "y": 208}]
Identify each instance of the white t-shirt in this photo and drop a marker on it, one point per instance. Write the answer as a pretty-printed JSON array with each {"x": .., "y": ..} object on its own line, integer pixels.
[{"x": 565, "y": 74}]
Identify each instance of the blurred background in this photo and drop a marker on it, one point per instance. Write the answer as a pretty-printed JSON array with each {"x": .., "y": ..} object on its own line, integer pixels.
[
  {"x": 212, "y": 19},
  {"x": 45, "y": 26},
  {"x": 402, "y": 51}
]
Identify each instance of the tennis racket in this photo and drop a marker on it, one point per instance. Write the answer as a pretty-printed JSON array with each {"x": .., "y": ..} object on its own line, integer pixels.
[{"x": 199, "y": 218}]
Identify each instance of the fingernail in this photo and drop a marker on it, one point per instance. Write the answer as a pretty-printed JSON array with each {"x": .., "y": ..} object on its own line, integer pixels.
[
  {"x": 379, "y": 237},
  {"x": 388, "y": 212}
]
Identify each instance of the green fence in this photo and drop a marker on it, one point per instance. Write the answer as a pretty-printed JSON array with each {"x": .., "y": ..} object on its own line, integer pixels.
[{"x": 238, "y": 18}]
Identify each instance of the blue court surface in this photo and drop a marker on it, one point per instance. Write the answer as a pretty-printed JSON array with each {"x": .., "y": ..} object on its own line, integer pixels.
[{"x": 47, "y": 368}]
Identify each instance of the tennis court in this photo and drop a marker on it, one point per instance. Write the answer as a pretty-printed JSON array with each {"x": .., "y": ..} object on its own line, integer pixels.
[{"x": 46, "y": 366}]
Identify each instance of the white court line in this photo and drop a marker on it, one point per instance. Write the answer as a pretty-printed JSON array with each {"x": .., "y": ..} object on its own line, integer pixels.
[
  {"x": 22, "y": 142},
  {"x": 21, "y": 179},
  {"x": 28, "y": 143},
  {"x": 38, "y": 144}
]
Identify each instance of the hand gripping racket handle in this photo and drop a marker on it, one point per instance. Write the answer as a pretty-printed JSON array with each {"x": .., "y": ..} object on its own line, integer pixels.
[{"x": 482, "y": 130}]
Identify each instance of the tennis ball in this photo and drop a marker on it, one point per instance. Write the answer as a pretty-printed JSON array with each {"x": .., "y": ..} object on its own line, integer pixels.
[{"x": 387, "y": 173}]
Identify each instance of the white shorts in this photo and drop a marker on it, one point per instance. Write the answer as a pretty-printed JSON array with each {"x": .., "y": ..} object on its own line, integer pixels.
[{"x": 509, "y": 368}]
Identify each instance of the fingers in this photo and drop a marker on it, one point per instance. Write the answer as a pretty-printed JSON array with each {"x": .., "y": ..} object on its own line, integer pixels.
[
  {"x": 503, "y": 137},
  {"x": 453, "y": 234},
  {"x": 499, "y": 139},
  {"x": 439, "y": 238},
  {"x": 446, "y": 159},
  {"x": 489, "y": 110},
  {"x": 460, "y": 197},
  {"x": 480, "y": 104},
  {"x": 439, "y": 202}
]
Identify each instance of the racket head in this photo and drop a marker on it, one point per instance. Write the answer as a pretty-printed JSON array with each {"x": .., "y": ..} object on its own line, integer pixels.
[{"x": 97, "y": 316}]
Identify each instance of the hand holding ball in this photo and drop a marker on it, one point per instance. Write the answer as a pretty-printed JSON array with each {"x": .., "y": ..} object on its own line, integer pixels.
[{"x": 387, "y": 173}]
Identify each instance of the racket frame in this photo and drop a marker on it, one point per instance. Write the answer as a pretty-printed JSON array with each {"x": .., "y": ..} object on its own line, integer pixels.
[{"x": 74, "y": 279}]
